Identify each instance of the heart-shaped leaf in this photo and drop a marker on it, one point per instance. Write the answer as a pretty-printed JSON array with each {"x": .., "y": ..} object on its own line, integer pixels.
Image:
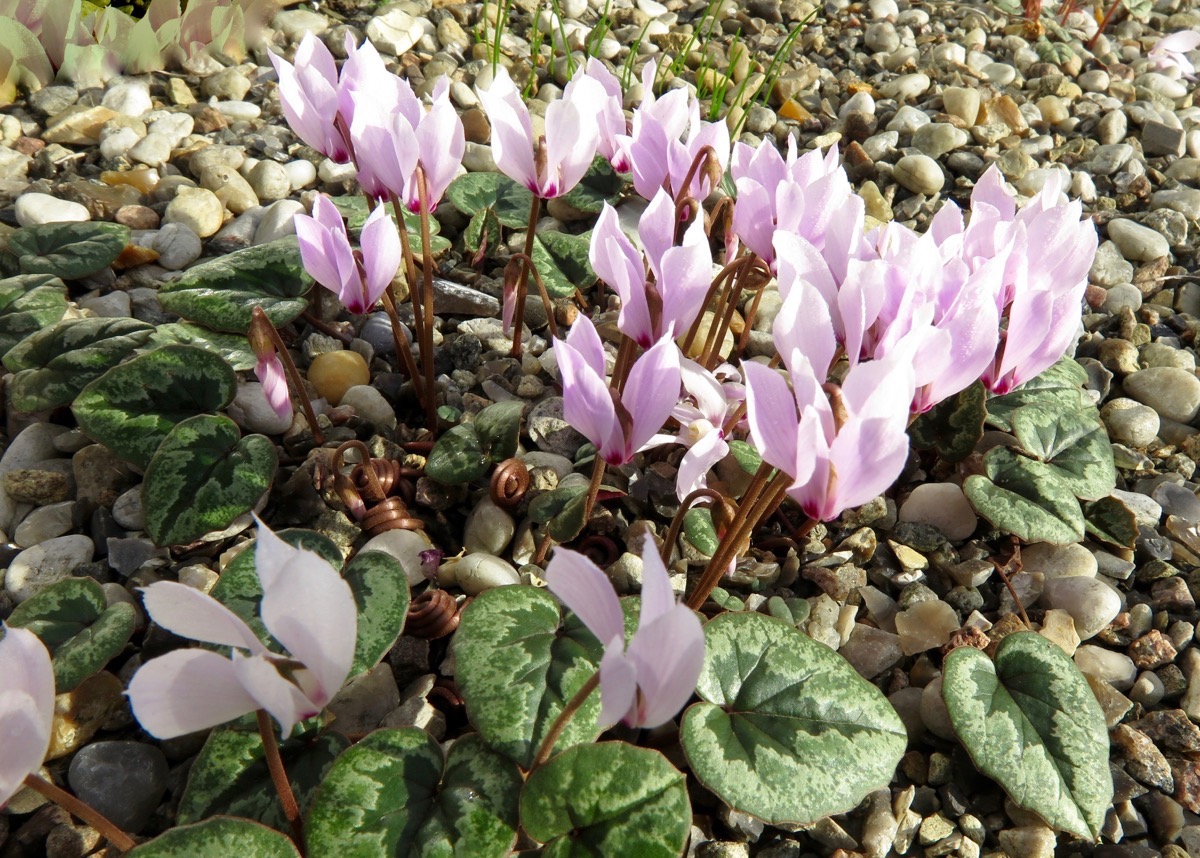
[
  {"x": 561, "y": 510},
  {"x": 475, "y": 192},
  {"x": 54, "y": 364},
  {"x": 748, "y": 459},
  {"x": 518, "y": 663},
  {"x": 954, "y": 426},
  {"x": 230, "y": 776},
  {"x": 218, "y": 837},
  {"x": 1025, "y": 498},
  {"x": 203, "y": 476},
  {"x": 68, "y": 250},
  {"x": 1072, "y": 442},
  {"x": 234, "y": 348},
  {"x": 498, "y": 427},
  {"x": 483, "y": 232},
  {"x": 395, "y": 793},
  {"x": 607, "y": 800},
  {"x": 787, "y": 731},
  {"x": 28, "y": 303},
  {"x": 1111, "y": 521},
  {"x": 381, "y": 594},
  {"x": 562, "y": 261},
  {"x": 699, "y": 531},
  {"x": 1031, "y": 723},
  {"x": 457, "y": 457},
  {"x": 1061, "y": 385},
  {"x": 133, "y": 406},
  {"x": 88, "y": 652},
  {"x": 601, "y": 184},
  {"x": 222, "y": 293}
]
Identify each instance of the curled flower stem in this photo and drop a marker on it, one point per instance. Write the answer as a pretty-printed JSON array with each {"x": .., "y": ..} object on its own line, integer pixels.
[
  {"x": 279, "y": 777},
  {"x": 677, "y": 520},
  {"x": 262, "y": 325},
  {"x": 723, "y": 277},
  {"x": 535, "y": 209},
  {"x": 564, "y": 717},
  {"x": 427, "y": 297},
  {"x": 81, "y": 810},
  {"x": 683, "y": 196}
]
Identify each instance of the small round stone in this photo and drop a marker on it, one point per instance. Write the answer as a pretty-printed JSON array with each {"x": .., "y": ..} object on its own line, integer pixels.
[
  {"x": 489, "y": 529},
  {"x": 32, "y": 209},
  {"x": 1059, "y": 561},
  {"x": 334, "y": 373},
  {"x": 1173, "y": 392},
  {"x": 942, "y": 505},
  {"x": 1129, "y": 422},
  {"x": 371, "y": 405},
  {"x": 270, "y": 181},
  {"x": 300, "y": 173},
  {"x": 962, "y": 102},
  {"x": 198, "y": 209},
  {"x": 406, "y": 547},
  {"x": 919, "y": 174},
  {"x": 1137, "y": 243},
  {"x": 123, "y": 780},
  {"x": 478, "y": 572},
  {"x": 1089, "y": 601}
]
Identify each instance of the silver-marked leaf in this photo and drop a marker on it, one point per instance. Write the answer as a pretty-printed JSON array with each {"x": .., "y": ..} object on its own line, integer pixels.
[
  {"x": 518, "y": 664},
  {"x": 222, "y": 293},
  {"x": 747, "y": 457},
  {"x": 475, "y": 192},
  {"x": 483, "y": 232},
  {"x": 55, "y": 364},
  {"x": 234, "y": 348},
  {"x": 133, "y": 406},
  {"x": 219, "y": 837},
  {"x": 1109, "y": 520},
  {"x": 28, "y": 303},
  {"x": 381, "y": 593},
  {"x": 1025, "y": 498},
  {"x": 562, "y": 260},
  {"x": 607, "y": 800},
  {"x": 953, "y": 426},
  {"x": 601, "y": 184},
  {"x": 395, "y": 794},
  {"x": 787, "y": 730},
  {"x": 354, "y": 210},
  {"x": 1031, "y": 723},
  {"x": 88, "y": 652},
  {"x": 1073, "y": 442},
  {"x": 1060, "y": 385},
  {"x": 698, "y": 529},
  {"x": 498, "y": 427},
  {"x": 457, "y": 457},
  {"x": 68, "y": 250},
  {"x": 230, "y": 776},
  {"x": 203, "y": 476},
  {"x": 60, "y": 611}
]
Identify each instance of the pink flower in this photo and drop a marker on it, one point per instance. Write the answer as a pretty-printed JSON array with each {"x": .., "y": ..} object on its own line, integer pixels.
[
  {"x": 26, "y": 707},
  {"x": 553, "y": 166},
  {"x": 271, "y": 375},
  {"x": 306, "y": 606},
  {"x": 329, "y": 259},
  {"x": 610, "y": 116},
  {"x": 308, "y": 94},
  {"x": 702, "y": 415},
  {"x": 1171, "y": 52},
  {"x": 618, "y": 424},
  {"x": 648, "y": 682}
]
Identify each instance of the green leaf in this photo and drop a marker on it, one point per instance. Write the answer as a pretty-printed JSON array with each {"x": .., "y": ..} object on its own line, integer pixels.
[
  {"x": 792, "y": 611},
  {"x": 747, "y": 457},
  {"x": 562, "y": 510},
  {"x": 219, "y": 837},
  {"x": 1111, "y": 521},
  {"x": 954, "y": 426},
  {"x": 239, "y": 589},
  {"x": 68, "y": 250},
  {"x": 607, "y": 800},
  {"x": 699, "y": 531},
  {"x": 1072, "y": 442},
  {"x": 1139, "y": 9},
  {"x": 1025, "y": 498},
  {"x": 28, "y": 303},
  {"x": 222, "y": 293},
  {"x": 601, "y": 184},
  {"x": 787, "y": 730},
  {"x": 475, "y": 192},
  {"x": 395, "y": 794},
  {"x": 1031, "y": 723},
  {"x": 230, "y": 775},
  {"x": 133, "y": 406},
  {"x": 498, "y": 428},
  {"x": 483, "y": 232},
  {"x": 53, "y": 365},
  {"x": 88, "y": 652},
  {"x": 381, "y": 593},
  {"x": 354, "y": 209},
  {"x": 457, "y": 457},
  {"x": 234, "y": 348},
  {"x": 1060, "y": 385},
  {"x": 518, "y": 663},
  {"x": 203, "y": 476},
  {"x": 562, "y": 261}
]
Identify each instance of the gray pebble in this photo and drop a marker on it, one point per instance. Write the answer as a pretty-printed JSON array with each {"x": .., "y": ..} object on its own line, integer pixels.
[{"x": 122, "y": 780}]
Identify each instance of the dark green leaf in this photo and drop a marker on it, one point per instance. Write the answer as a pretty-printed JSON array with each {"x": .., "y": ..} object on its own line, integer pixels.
[
  {"x": 219, "y": 837},
  {"x": 518, "y": 664},
  {"x": 354, "y": 209},
  {"x": 394, "y": 794},
  {"x": 607, "y": 800},
  {"x": 482, "y": 232},
  {"x": 457, "y": 457},
  {"x": 133, "y": 406},
  {"x": 89, "y": 651},
  {"x": 59, "y": 612},
  {"x": 222, "y": 293},
  {"x": 1031, "y": 723},
  {"x": 203, "y": 476},
  {"x": 747, "y": 457},
  {"x": 381, "y": 594},
  {"x": 1111, "y": 521},
  {"x": 1072, "y": 442},
  {"x": 234, "y": 348},
  {"x": 788, "y": 730},
  {"x": 68, "y": 250},
  {"x": 29, "y": 303},
  {"x": 600, "y": 185},
  {"x": 562, "y": 260},
  {"x": 699, "y": 531},
  {"x": 1061, "y": 385},
  {"x": 954, "y": 426},
  {"x": 475, "y": 192},
  {"x": 562, "y": 510},
  {"x": 498, "y": 428},
  {"x": 1025, "y": 498}
]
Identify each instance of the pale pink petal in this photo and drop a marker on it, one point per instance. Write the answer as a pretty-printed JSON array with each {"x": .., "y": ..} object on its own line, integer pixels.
[
  {"x": 771, "y": 413},
  {"x": 187, "y": 612},
  {"x": 618, "y": 687},
  {"x": 698, "y": 461},
  {"x": 686, "y": 278},
  {"x": 381, "y": 255},
  {"x": 656, "y": 230},
  {"x": 26, "y": 707},
  {"x": 702, "y": 385},
  {"x": 618, "y": 263},
  {"x": 571, "y": 137},
  {"x": 309, "y": 608},
  {"x": 286, "y": 703},
  {"x": 512, "y": 131},
  {"x": 311, "y": 237},
  {"x": 587, "y": 403},
  {"x": 992, "y": 190},
  {"x": 668, "y": 655},
  {"x": 441, "y": 141},
  {"x": 754, "y": 219},
  {"x": 584, "y": 339},
  {"x": 581, "y": 586},
  {"x": 657, "y": 596},
  {"x": 187, "y": 690},
  {"x": 271, "y": 376},
  {"x": 651, "y": 392}
]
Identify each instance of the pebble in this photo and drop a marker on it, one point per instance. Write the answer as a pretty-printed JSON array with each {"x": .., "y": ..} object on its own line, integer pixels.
[
  {"x": 177, "y": 246},
  {"x": 1058, "y": 561},
  {"x": 1129, "y": 422},
  {"x": 128, "y": 511},
  {"x": 1172, "y": 392},
  {"x": 198, "y": 209},
  {"x": 334, "y": 373},
  {"x": 229, "y": 187},
  {"x": 371, "y": 405},
  {"x": 489, "y": 529},
  {"x": 270, "y": 181},
  {"x": 130, "y": 99},
  {"x": 478, "y": 572},
  {"x": 362, "y": 704},
  {"x": 942, "y": 505},
  {"x": 1117, "y": 669},
  {"x": 394, "y": 32},
  {"x": 919, "y": 174},
  {"x": 935, "y": 140},
  {"x": 550, "y": 430},
  {"x": 962, "y": 102},
  {"x": 1090, "y": 602},
  {"x": 124, "y": 781},
  {"x": 45, "y": 523},
  {"x": 1137, "y": 243},
  {"x": 79, "y": 714},
  {"x": 46, "y": 563},
  {"x": 33, "y": 208},
  {"x": 300, "y": 173},
  {"x": 153, "y": 150},
  {"x": 277, "y": 221},
  {"x": 251, "y": 410},
  {"x": 925, "y": 625}
]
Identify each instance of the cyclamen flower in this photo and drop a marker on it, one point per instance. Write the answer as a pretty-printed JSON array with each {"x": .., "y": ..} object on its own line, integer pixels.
[
  {"x": 667, "y": 306},
  {"x": 308, "y": 94},
  {"x": 331, "y": 261},
  {"x": 610, "y": 117},
  {"x": 26, "y": 707},
  {"x": 553, "y": 166},
  {"x": 1171, "y": 52},
  {"x": 271, "y": 376},
  {"x": 648, "y": 682},
  {"x": 306, "y": 606},
  {"x": 702, "y": 420},
  {"x": 618, "y": 424}
]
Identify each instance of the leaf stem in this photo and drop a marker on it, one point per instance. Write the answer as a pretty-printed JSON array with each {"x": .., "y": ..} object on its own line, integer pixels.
[
  {"x": 262, "y": 324},
  {"x": 82, "y": 810},
  {"x": 564, "y": 717},
  {"x": 279, "y": 777},
  {"x": 535, "y": 209}
]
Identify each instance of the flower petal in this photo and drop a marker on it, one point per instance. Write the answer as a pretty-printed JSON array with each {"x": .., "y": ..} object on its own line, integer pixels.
[
  {"x": 581, "y": 586},
  {"x": 771, "y": 413},
  {"x": 512, "y": 131},
  {"x": 26, "y": 707},
  {"x": 285, "y": 702},
  {"x": 668, "y": 655},
  {"x": 618, "y": 687},
  {"x": 187, "y": 612},
  {"x": 657, "y": 596},
  {"x": 187, "y": 690},
  {"x": 651, "y": 391},
  {"x": 381, "y": 254}
]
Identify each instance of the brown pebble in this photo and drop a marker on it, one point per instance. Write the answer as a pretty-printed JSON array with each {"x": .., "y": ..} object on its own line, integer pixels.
[
  {"x": 208, "y": 120},
  {"x": 476, "y": 126},
  {"x": 1152, "y": 650},
  {"x": 1170, "y": 729},
  {"x": 1186, "y": 774},
  {"x": 1142, "y": 759},
  {"x": 1172, "y": 594},
  {"x": 29, "y": 145},
  {"x": 134, "y": 255},
  {"x": 137, "y": 217}
]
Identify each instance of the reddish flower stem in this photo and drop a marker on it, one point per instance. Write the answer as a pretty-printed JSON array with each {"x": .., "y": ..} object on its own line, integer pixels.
[
  {"x": 535, "y": 209},
  {"x": 564, "y": 717},
  {"x": 279, "y": 777},
  {"x": 81, "y": 810},
  {"x": 262, "y": 324}
]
